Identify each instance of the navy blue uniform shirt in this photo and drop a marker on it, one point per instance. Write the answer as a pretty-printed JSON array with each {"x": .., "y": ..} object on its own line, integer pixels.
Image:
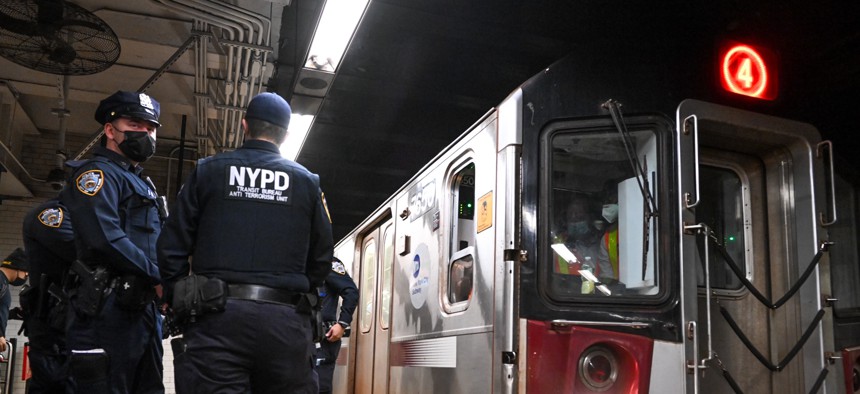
[
  {"x": 338, "y": 284},
  {"x": 115, "y": 214},
  {"x": 249, "y": 216},
  {"x": 49, "y": 241}
]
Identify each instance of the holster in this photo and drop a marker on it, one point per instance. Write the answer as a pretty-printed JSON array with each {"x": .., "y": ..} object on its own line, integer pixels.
[
  {"x": 93, "y": 288},
  {"x": 196, "y": 295},
  {"x": 311, "y": 304},
  {"x": 56, "y": 316},
  {"x": 134, "y": 292}
]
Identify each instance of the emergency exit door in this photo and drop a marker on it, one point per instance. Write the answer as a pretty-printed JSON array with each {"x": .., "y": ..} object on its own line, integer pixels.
[{"x": 750, "y": 232}]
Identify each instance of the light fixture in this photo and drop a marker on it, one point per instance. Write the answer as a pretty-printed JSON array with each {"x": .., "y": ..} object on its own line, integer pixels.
[
  {"x": 333, "y": 33},
  {"x": 296, "y": 134}
]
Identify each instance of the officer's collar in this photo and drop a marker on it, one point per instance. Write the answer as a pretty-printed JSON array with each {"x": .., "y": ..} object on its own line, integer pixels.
[
  {"x": 262, "y": 144},
  {"x": 117, "y": 158}
]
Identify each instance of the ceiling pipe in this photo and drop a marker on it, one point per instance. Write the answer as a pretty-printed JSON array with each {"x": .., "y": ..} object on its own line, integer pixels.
[{"x": 57, "y": 176}]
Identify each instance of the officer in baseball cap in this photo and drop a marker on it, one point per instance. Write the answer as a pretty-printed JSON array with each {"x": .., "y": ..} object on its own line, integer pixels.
[{"x": 12, "y": 269}]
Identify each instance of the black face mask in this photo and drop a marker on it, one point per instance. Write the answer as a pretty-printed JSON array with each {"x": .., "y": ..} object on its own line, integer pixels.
[
  {"x": 138, "y": 145},
  {"x": 18, "y": 281}
]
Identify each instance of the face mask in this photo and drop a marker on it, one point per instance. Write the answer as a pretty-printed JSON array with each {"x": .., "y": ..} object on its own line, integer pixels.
[
  {"x": 610, "y": 212},
  {"x": 578, "y": 228},
  {"x": 138, "y": 145},
  {"x": 19, "y": 281}
]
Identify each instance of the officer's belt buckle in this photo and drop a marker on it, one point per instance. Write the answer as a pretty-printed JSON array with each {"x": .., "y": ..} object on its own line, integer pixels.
[{"x": 263, "y": 293}]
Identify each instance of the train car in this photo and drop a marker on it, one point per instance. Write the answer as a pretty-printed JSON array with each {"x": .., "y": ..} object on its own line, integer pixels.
[{"x": 633, "y": 219}]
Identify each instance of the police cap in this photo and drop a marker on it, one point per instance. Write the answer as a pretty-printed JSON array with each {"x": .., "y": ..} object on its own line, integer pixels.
[
  {"x": 17, "y": 260},
  {"x": 271, "y": 108},
  {"x": 130, "y": 105}
]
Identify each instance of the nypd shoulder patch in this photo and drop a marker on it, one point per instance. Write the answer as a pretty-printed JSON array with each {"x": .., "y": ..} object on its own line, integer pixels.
[
  {"x": 51, "y": 217},
  {"x": 338, "y": 267},
  {"x": 90, "y": 182}
]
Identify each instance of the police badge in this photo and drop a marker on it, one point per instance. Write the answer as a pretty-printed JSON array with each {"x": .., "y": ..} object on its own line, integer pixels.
[
  {"x": 90, "y": 182},
  {"x": 51, "y": 217}
]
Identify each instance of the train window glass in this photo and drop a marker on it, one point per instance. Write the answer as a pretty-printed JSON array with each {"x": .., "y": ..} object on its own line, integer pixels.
[
  {"x": 601, "y": 231},
  {"x": 460, "y": 279},
  {"x": 368, "y": 284},
  {"x": 463, "y": 222},
  {"x": 721, "y": 208},
  {"x": 387, "y": 265}
]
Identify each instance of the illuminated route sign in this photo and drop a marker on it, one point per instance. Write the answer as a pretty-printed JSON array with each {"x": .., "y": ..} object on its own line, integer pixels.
[{"x": 748, "y": 71}]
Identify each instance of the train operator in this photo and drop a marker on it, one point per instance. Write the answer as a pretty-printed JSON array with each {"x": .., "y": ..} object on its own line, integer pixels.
[
  {"x": 114, "y": 332},
  {"x": 258, "y": 231}
]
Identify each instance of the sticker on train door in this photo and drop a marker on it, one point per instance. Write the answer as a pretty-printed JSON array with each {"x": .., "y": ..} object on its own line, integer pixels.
[{"x": 485, "y": 212}]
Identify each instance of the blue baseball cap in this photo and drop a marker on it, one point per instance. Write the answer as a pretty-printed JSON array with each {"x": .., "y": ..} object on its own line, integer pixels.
[
  {"x": 130, "y": 105},
  {"x": 271, "y": 108}
]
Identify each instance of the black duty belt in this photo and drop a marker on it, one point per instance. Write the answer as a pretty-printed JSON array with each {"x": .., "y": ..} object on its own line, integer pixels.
[{"x": 263, "y": 293}]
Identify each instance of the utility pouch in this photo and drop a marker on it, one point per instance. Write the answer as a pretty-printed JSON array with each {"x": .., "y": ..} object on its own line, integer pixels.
[
  {"x": 92, "y": 288},
  {"x": 134, "y": 292},
  {"x": 196, "y": 295}
]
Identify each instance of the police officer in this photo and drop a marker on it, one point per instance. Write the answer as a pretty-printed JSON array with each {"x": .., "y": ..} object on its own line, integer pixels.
[
  {"x": 14, "y": 268},
  {"x": 114, "y": 332},
  {"x": 258, "y": 222},
  {"x": 50, "y": 244},
  {"x": 338, "y": 284}
]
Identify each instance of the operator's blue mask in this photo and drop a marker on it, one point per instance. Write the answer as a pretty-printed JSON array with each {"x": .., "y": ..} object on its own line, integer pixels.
[{"x": 579, "y": 228}]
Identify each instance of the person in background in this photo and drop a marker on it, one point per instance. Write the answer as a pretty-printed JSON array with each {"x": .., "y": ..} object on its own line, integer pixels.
[
  {"x": 338, "y": 285},
  {"x": 15, "y": 269},
  {"x": 608, "y": 255},
  {"x": 50, "y": 244},
  {"x": 256, "y": 222},
  {"x": 579, "y": 236},
  {"x": 114, "y": 328}
]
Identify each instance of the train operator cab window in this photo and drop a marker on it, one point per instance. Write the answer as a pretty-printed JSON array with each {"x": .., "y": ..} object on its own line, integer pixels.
[
  {"x": 724, "y": 209},
  {"x": 600, "y": 222},
  {"x": 460, "y": 269}
]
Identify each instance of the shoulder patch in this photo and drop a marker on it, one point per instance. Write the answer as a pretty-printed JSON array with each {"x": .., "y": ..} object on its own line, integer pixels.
[
  {"x": 338, "y": 267},
  {"x": 322, "y": 197},
  {"x": 90, "y": 182},
  {"x": 51, "y": 217}
]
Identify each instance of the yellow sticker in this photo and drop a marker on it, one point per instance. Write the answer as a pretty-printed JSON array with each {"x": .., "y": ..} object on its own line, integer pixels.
[
  {"x": 90, "y": 182},
  {"x": 485, "y": 212}
]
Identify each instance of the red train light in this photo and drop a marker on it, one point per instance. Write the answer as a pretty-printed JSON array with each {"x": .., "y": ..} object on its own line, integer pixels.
[{"x": 748, "y": 71}]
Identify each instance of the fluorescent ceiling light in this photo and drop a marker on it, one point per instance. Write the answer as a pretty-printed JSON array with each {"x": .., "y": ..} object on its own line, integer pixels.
[
  {"x": 296, "y": 134},
  {"x": 337, "y": 24}
]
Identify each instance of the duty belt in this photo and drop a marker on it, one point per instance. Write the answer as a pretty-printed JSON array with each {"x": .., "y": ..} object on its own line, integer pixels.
[{"x": 263, "y": 293}]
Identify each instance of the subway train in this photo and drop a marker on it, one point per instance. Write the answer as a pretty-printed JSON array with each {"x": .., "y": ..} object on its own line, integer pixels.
[{"x": 718, "y": 252}]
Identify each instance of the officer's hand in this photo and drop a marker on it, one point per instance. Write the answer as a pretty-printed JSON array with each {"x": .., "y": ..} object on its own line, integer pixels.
[
  {"x": 334, "y": 333},
  {"x": 2, "y": 344}
]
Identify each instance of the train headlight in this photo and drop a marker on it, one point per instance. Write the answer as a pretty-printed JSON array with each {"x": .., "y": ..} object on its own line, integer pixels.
[{"x": 598, "y": 368}]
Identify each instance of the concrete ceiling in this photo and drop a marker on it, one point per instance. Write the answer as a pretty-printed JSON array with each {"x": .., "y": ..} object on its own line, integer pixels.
[{"x": 418, "y": 72}]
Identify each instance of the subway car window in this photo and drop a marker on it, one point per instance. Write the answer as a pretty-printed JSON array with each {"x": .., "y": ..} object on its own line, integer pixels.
[
  {"x": 461, "y": 261},
  {"x": 368, "y": 284},
  {"x": 601, "y": 228},
  {"x": 721, "y": 208}
]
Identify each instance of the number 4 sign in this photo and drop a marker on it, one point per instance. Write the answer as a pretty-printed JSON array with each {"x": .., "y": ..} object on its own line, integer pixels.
[{"x": 745, "y": 71}]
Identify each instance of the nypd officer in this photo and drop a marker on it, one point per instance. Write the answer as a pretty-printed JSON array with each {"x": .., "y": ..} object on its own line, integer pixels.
[
  {"x": 114, "y": 328},
  {"x": 338, "y": 284},
  {"x": 257, "y": 222},
  {"x": 50, "y": 244},
  {"x": 14, "y": 272}
]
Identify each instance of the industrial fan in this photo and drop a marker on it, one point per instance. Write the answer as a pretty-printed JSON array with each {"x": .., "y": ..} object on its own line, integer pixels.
[{"x": 56, "y": 37}]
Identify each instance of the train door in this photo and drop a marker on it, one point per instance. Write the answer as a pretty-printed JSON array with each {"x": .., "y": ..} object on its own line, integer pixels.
[
  {"x": 370, "y": 334},
  {"x": 750, "y": 250}
]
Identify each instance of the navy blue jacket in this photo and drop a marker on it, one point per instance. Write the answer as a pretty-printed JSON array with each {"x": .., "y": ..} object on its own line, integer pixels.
[
  {"x": 338, "y": 284},
  {"x": 249, "y": 216},
  {"x": 115, "y": 213},
  {"x": 49, "y": 241}
]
